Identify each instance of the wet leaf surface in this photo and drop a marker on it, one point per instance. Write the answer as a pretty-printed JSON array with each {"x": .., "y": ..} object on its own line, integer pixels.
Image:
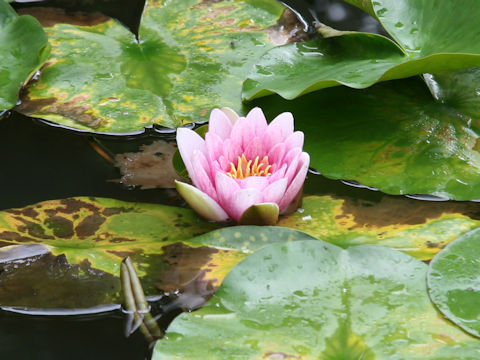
[
  {"x": 191, "y": 57},
  {"x": 82, "y": 241},
  {"x": 395, "y": 136},
  {"x": 312, "y": 300},
  {"x": 419, "y": 228},
  {"x": 23, "y": 49},
  {"x": 429, "y": 38},
  {"x": 454, "y": 282}
]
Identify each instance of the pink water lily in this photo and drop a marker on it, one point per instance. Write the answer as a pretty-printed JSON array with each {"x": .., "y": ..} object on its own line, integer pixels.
[{"x": 244, "y": 166}]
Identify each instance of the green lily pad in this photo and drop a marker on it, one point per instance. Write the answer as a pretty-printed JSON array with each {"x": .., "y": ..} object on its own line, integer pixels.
[
  {"x": 418, "y": 228},
  {"x": 313, "y": 300},
  {"x": 454, "y": 282},
  {"x": 23, "y": 49},
  {"x": 78, "y": 244},
  {"x": 429, "y": 38},
  {"x": 86, "y": 239},
  {"x": 395, "y": 136},
  {"x": 191, "y": 56}
]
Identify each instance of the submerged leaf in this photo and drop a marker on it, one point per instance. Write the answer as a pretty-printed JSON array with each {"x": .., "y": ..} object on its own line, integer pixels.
[
  {"x": 149, "y": 168},
  {"x": 312, "y": 300}
]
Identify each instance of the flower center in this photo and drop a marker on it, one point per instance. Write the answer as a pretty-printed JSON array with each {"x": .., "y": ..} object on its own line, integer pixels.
[{"x": 246, "y": 168}]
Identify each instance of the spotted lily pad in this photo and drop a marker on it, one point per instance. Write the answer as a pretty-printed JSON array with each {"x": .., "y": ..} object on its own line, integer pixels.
[
  {"x": 23, "y": 49},
  {"x": 312, "y": 300},
  {"x": 191, "y": 56},
  {"x": 396, "y": 136},
  {"x": 77, "y": 245},
  {"x": 454, "y": 282},
  {"x": 429, "y": 38},
  {"x": 418, "y": 228}
]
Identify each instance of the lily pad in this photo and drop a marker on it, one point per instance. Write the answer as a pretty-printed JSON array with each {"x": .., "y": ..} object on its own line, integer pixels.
[
  {"x": 429, "y": 38},
  {"x": 395, "y": 136},
  {"x": 454, "y": 282},
  {"x": 78, "y": 244},
  {"x": 191, "y": 56},
  {"x": 418, "y": 228},
  {"x": 23, "y": 49},
  {"x": 313, "y": 300}
]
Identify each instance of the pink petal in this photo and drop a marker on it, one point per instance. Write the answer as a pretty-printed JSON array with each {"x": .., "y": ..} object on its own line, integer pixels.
[
  {"x": 202, "y": 175},
  {"x": 255, "y": 148},
  {"x": 291, "y": 159},
  {"x": 280, "y": 173},
  {"x": 276, "y": 154},
  {"x": 201, "y": 203},
  {"x": 258, "y": 182},
  {"x": 257, "y": 121},
  {"x": 242, "y": 200},
  {"x": 214, "y": 146},
  {"x": 225, "y": 187},
  {"x": 279, "y": 129},
  {"x": 295, "y": 140},
  {"x": 242, "y": 133},
  {"x": 275, "y": 191},
  {"x": 224, "y": 163},
  {"x": 188, "y": 141},
  {"x": 219, "y": 124},
  {"x": 297, "y": 182},
  {"x": 231, "y": 151}
]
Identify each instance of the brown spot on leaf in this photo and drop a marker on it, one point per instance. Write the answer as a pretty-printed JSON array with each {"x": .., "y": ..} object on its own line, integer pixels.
[
  {"x": 432, "y": 245},
  {"x": 16, "y": 237},
  {"x": 27, "y": 212},
  {"x": 89, "y": 225},
  {"x": 61, "y": 227},
  {"x": 401, "y": 211},
  {"x": 32, "y": 228},
  {"x": 49, "y": 17},
  {"x": 118, "y": 240},
  {"x": 72, "y": 205},
  {"x": 30, "y": 106},
  {"x": 77, "y": 110},
  {"x": 205, "y": 4},
  {"x": 216, "y": 12},
  {"x": 114, "y": 211}
]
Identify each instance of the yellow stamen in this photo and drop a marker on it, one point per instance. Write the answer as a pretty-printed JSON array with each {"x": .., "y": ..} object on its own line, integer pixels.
[{"x": 245, "y": 168}]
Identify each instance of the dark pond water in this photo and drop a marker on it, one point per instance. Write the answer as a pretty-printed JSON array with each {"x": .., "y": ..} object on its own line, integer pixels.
[{"x": 42, "y": 163}]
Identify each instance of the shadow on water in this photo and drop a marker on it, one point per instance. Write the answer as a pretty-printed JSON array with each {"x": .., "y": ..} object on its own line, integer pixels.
[{"x": 69, "y": 337}]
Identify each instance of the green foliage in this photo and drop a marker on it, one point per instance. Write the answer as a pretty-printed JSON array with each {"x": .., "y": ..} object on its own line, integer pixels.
[
  {"x": 454, "y": 282},
  {"x": 313, "y": 300},
  {"x": 395, "y": 136},
  {"x": 23, "y": 49},
  {"x": 418, "y": 228},
  {"x": 429, "y": 38},
  {"x": 191, "y": 56}
]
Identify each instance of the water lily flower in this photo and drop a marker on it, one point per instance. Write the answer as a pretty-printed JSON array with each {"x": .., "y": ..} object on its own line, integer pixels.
[{"x": 245, "y": 169}]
